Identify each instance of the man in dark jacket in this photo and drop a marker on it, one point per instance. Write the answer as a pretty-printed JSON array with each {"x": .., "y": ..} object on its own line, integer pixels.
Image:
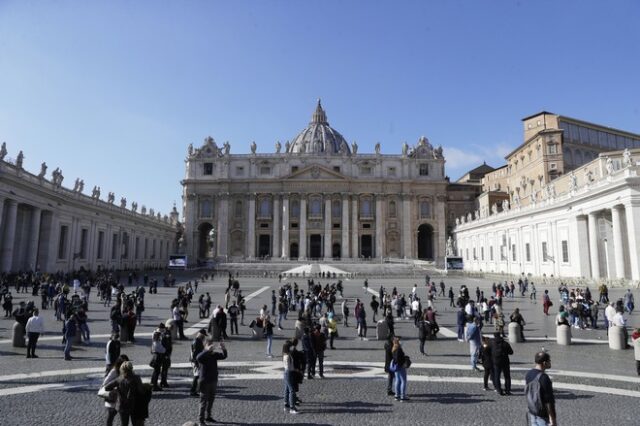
[
  {"x": 208, "y": 379},
  {"x": 309, "y": 353},
  {"x": 196, "y": 348},
  {"x": 112, "y": 351},
  {"x": 166, "y": 360},
  {"x": 500, "y": 351},
  {"x": 319, "y": 345},
  {"x": 461, "y": 321},
  {"x": 388, "y": 356}
]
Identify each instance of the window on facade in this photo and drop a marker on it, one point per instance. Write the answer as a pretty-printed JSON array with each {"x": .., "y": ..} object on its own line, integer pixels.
[
  {"x": 153, "y": 250},
  {"x": 565, "y": 251},
  {"x": 239, "y": 171},
  {"x": 482, "y": 253},
  {"x": 467, "y": 253},
  {"x": 336, "y": 208},
  {"x": 238, "y": 209},
  {"x": 424, "y": 169},
  {"x": 425, "y": 209},
  {"x": 205, "y": 208},
  {"x": 84, "y": 239},
  {"x": 392, "y": 171},
  {"x": 315, "y": 207},
  {"x": 114, "y": 246},
  {"x": 392, "y": 209},
  {"x": 365, "y": 208},
  {"x": 552, "y": 148},
  {"x": 62, "y": 242},
  {"x": 491, "y": 253},
  {"x": 527, "y": 252},
  {"x": 100, "y": 254},
  {"x": 265, "y": 207},
  {"x": 136, "y": 249},
  {"x": 208, "y": 168},
  {"x": 552, "y": 166},
  {"x": 474, "y": 254},
  {"x": 336, "y": 169},
  {"x": 295, "y": 208},
  {"x": 366, "y": 171},
  {"x": 294, "y": 169},
  {"x": 265, "y": 170},
  {"x": 544, "y": 251},
  {"x": 513, "y": 252}
]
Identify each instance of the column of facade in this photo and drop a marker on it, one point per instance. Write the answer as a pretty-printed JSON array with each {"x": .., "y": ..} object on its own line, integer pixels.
[
  {"x": 302, "y": 244},
  {"x": 618, "y": 240},
  {"x": 344, "y": 250},
  {"x": 251, "y": 228},
  {"x": 9, "y": 235},
  {"x": 406, "y": 226},
  {"x": 441, "y": 232},
  {"x": 379, "y": 228},
  {"x": 2, "y": 199},
  {"x": 556, "y": 245},
  {"x": 277, "y": 232},
  {"x": 34, "y": 236},
  {"x": 327, "y": 227},
  {"x": 285, "y": 227},
  {"x": 632, "y": 213},
  {"x": 222, "y": 236},
  {"x": 593, "y": 245},
  {"x": 354, "y": 228}
]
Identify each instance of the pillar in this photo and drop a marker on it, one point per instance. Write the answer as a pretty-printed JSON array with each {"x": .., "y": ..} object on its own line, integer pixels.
[
  {"x": 222, "y": 235},
  {"x": 275, "y": 252},
  {"x": 379, "y": 228},
  {"x": 344, "y": 250},
  {"x": 593, "y": 245},
  {"x": 327, "y": 227},
  {"x": 632, "y": 213},
  {"x": 8, "y": 239},
  {"x": 251, "y": 227},
  {"x": 354, "y": 228},
  {"x": 302, "y": 244},
  {"x": 285, "y": 227},
  {"x": 618, "y": 240},
  {"x": 34, "y": 235},
  {"x": 406, "y": 226}
]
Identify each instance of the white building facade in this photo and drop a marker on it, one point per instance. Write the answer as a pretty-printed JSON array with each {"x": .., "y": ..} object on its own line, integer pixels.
[
  {"x": 584, "y": 224},
  {"x": 47, "y": 227}
]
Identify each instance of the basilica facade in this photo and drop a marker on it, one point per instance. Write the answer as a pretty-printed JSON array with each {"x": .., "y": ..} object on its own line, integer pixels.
[{"x": 317, "y": 197}]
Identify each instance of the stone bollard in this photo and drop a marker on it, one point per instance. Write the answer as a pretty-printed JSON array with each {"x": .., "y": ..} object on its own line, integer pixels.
[
  {"x": 636, "y": 349},
  {"x": 616, "y": 338},
  {"x": 124, "y": 333},
  {"x": 18, "y": 335},
  {"x": 173, "y": 328},
  {"x": 382, "y": 330},
  {"x": 563, "y": 335},
  {"x": 514, "y": 333}
]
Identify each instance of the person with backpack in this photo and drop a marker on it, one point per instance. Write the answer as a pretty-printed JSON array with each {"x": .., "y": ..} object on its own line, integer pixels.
[
  {"x": 399, "y": 365},
  {"x": 500, "y": 351},
  {"x": 539, "y": 391}
]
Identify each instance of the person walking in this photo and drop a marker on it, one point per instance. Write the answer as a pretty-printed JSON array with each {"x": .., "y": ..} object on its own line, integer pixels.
[
  {"x": 112, "y": 375},
  {"x": 208, "y": 379},
  {"x": 500, "y": 351},
  {"x": 158, "y": 353},
  {"x": 474, "y": 338},
  {"x": 539, "y": 391},
  {"x": 332, "y": 326},
  {"x": 34, "y": 327},
  {"x": 132, "y": 395},
  {"x": 374, "y": 307},
  {"x": 461, "y": 320},
  {"x": 233, "y": 313},
  {"x": 546, "y": 302}
]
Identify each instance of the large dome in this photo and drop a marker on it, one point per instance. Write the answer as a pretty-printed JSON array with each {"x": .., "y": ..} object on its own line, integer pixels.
[{"x": 319, "y": 137}]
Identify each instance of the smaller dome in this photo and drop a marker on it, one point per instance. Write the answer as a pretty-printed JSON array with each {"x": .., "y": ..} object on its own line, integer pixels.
[{"x": 319, "y": 137}]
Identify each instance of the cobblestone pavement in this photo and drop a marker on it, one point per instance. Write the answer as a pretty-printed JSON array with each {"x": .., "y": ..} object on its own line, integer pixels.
[{"x": 593, "y": 384}]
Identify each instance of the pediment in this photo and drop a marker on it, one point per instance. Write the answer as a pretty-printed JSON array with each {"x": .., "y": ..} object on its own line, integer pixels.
[{"x": 316, "y": 172}]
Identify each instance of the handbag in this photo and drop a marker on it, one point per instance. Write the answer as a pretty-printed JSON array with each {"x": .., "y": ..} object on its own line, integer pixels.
[
  {"x": 108, "y": 396},
  {"x": 407, "y": 362},
  {"x": 154, "y": 361},
  {"x": 393, "y": 366}
]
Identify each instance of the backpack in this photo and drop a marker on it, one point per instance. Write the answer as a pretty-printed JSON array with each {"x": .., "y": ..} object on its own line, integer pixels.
[{"x": 532, "y": 390}]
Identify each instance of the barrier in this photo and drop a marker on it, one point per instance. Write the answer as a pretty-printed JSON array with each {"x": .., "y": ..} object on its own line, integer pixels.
[
  {"x": 17, "y": 336},
  {"x": 172, "y": 327},
  {"x": 563, "y": 335},
  {"x": 382, "y": 330},
  {"x": 617, "y": 338},
  {"x": 514, "y": 333}
]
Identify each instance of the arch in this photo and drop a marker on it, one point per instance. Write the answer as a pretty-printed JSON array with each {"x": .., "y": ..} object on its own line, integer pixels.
[
  {"x": 425, "y": 242},
  {"x": 366, "y": 246},
  {"x": 264, "y": 245},
  {"x": 205, "y": 246},
  {"x": 336, "y": 251},
  {"x": 293, "y": 250}
]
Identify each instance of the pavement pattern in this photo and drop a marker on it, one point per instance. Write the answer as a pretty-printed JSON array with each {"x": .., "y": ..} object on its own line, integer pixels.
[{"x": 594, "y": 385}]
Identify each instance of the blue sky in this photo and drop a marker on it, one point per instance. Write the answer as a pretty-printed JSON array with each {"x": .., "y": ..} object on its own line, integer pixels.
[{"x": 114, "y": 91}]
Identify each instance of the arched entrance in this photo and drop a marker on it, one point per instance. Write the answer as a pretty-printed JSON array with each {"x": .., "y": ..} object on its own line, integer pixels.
[
  {"x": 425, "y": 242},
  {"x": 336, "y": 251},
  {"x": 366, "y": 246},
  {"x": 264, "y": 245},
  {"x": 205, "y": 250},
  {"x": 315, "y": 246},
  {"x": 293, "y": 251}
]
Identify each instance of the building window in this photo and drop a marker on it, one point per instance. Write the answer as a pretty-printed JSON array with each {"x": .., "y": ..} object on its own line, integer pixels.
[
  {"x": 114, "y": 246},
  {"x": 474, "y": 254},
  {"x": 238, "y": 209},
  {"x": 100, "y": 245},
  {"x": 513, "y": 252},
  {"x": 366, "y": 171},
  {"x": 84, "y": 237},
  {"x": 336, "y": 209},
  {"x": 62, "y": 241},
  {"x": 527, "y": 251},
  {"x": 294, "y": 169},
  {"x": 265, "y": 207},
  {"x": 482, "y": 253},
  {"x": 544, "y": 251},
  {"x": 315, "y": 207},
  {"x": 552, "y": 148},
  {"x": 467, "y": 253},
  {"x": 136, "y": 249},
  {"x": 208, "y": 168},
  {"x": 392, "y": 209},
  {"x": 205, "y": 208},
  {"x": 239, "y": 171},
  {"x": 565, "y": 251},
  {"x": 424, "y": 169},
  {"x": 391, "y": 171},
  {"x": 365, "y": 208},
  {"x": 295, "y": 208},
  {"x": 265, "y": 170},
  {"x": 552, "y": 166},
  {"x": 491, "y": 253},
  {"x": 425, "y": 209},
  {"x": 336, "y": 169}
]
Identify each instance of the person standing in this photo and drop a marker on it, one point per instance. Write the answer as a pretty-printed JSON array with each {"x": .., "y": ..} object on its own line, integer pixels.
[
  {"x": 197, "y": 346},
  {"x": 474, "y": 336},
  {"x": 539, "y": 391},
  {"x": 112, "y": 375},
  {"x": 177, "y": 317},
  {"x": 208, "y": 379},
  {"x": 388, "y": 356},
  {"x": 112, "y": 351},
  {"x": 69, "y": 332},
  {"x": 34, "y": 327},
  {"x": 167, "y": 344},
  {"x": 332, "y": 326},
  {"x": 268, "y": 334},
  {"x": 374, "y": 307},
  {"x": 289, "y": 379},
  {"x": 233, "y": 312},
  {"x": 130, "y": 391},
  {"x": 546, "y": 302},
  {"x": 487, "y": 361},
  {"x": 319, "y": 341},
  {"x": 500, "y": 351},
  {"x": 309, "y": 353},
  {"x": 399, "y": 359},
  {"x": 461, "y": 320}
]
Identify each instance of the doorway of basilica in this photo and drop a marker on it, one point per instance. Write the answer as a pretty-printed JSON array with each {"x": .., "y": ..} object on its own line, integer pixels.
[
  {"x": 315, "y": 246},
  {"x": 425, "y": 242}
]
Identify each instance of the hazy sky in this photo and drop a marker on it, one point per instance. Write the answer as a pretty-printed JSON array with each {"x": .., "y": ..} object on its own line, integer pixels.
[{"x": 114, "y": 91}]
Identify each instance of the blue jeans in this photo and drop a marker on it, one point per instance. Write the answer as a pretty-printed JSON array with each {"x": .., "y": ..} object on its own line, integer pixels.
[
  {"x": 401, "y": 383},
  {"x": 537, "y": 421},
  {"x": 460, "y": 332},
  {"x": 474, "y": 350},
  {"x": 269, "y": 341},
  {"x": 289, "y": 392}
]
